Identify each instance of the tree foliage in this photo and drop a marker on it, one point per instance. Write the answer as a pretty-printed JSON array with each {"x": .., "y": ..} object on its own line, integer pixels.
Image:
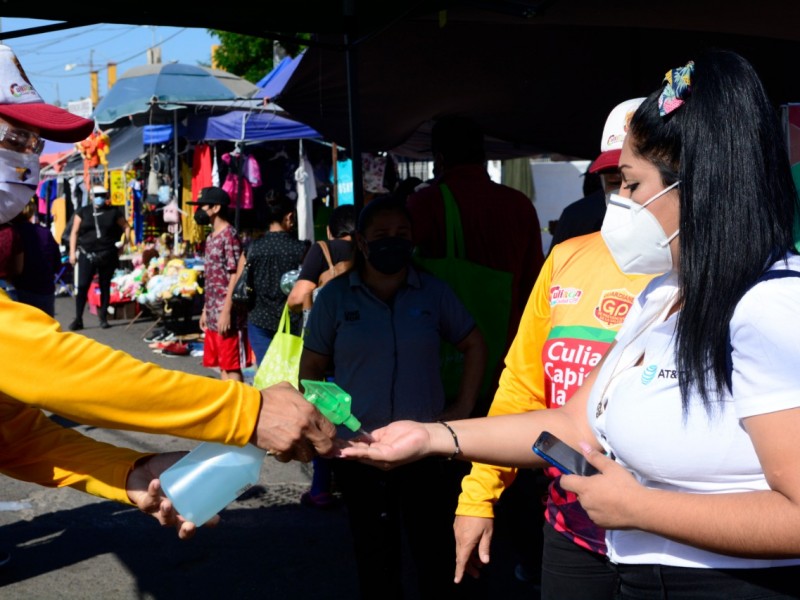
[{"x": 251, "y": 57}]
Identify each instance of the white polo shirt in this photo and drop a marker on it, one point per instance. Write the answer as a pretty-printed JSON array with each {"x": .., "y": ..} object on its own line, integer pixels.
[{"x": 637, "y": 415}]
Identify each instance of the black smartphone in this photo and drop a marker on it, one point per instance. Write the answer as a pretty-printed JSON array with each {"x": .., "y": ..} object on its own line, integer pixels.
[{"x": 563, "y": 457}]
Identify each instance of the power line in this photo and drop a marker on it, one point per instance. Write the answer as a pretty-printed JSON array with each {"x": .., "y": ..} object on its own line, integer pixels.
[{"x": 45, "y": 55}]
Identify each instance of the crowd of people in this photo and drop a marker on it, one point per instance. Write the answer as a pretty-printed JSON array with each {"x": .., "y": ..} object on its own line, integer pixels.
[{"x": 656, "y": 338}]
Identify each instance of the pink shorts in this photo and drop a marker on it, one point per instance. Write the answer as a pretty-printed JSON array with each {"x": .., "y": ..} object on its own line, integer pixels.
[{"x": 229, "y": 353}]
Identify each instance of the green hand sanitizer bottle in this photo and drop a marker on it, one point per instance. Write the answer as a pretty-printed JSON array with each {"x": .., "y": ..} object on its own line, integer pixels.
[{"x": 213, "y": 475}]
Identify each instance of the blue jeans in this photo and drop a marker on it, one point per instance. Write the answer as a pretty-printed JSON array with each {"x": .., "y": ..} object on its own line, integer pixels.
[{"x": 260, "y": 339}]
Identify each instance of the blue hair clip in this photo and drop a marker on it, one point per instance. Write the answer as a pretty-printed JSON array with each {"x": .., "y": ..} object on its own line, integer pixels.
[{"x": 678, "y": 86}]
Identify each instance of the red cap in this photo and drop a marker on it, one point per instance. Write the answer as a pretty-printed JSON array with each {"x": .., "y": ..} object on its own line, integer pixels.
[
  {"x": 614, "y": 132},
  {"x": 607, "y": 161},
  {"x": 21, "y": 104}
]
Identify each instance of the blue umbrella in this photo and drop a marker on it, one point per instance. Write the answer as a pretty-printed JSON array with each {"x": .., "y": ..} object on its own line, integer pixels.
[
  {"x": 152, "y": 93},
  {"x": 253, "y": 123}
]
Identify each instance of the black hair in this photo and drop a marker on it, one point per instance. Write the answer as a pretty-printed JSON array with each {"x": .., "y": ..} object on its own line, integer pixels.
[
  {"x": 737, "y": 203},
  {"x": 381, "y": 204},
  {"x": 342, "y": 221},
  {"x": 378, "y": 205},
  {"x": 459, "y": 140},
  {"x": 278, "y": 206}
]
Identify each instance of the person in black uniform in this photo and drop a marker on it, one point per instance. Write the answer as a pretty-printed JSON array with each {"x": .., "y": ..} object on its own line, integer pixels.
[{"x": 95, "y": 242}]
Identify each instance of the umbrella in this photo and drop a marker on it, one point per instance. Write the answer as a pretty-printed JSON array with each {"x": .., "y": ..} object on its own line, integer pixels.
[
  {"x": 258, "y": 121},
  {"x": 152, "y": 93}
]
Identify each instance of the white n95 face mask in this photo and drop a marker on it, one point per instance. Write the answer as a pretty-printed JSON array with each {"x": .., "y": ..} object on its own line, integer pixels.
[
  {"x": 19, "y": 177},
  {"x": 635, "y": 237}
]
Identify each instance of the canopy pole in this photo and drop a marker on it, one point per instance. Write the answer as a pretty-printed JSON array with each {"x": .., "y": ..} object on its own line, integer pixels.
[
  {"x": 335, "y": 164},
  {"x": 175, "y": 186},
  {"x": 351, "y": 58}
]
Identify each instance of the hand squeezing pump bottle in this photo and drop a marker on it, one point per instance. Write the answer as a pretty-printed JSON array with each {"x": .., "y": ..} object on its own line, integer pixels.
[{"x": 213, "y": 475}]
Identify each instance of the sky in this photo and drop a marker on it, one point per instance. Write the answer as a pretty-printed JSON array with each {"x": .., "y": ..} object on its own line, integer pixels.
[{"x": 45, "y": 56}]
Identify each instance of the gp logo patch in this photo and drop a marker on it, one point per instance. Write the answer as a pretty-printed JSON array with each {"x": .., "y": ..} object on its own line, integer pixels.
[{"x": 613, "y": 307}]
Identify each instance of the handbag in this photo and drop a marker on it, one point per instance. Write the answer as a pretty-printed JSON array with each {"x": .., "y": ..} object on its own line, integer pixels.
[
  {"x": 333, "y": 270},
  {"x": 244, "y": 294},
  {"x": 282, "y": 359},
  {"x": 485, "y": 292}
]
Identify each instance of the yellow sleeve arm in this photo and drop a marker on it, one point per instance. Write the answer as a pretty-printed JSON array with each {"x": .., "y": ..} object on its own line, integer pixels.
[
  {"x": 83, "y": 380},
  {"x": 33, "y": 448},
  {"x": 521, "y": 389}
]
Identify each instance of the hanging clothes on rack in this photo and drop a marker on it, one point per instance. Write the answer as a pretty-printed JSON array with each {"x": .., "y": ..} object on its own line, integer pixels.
[
  {"x": 306, "y": 193},
  {"x": 201, "y": 169},
  {"x": 243, "y": 170}
]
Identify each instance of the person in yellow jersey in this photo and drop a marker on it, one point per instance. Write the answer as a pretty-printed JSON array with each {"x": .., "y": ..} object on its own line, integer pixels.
[{"x": 578, "y": 303}]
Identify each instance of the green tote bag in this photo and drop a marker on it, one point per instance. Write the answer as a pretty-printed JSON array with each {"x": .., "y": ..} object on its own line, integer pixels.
[
  {"x": 282, "y": 359},
  {"x": 485, "y": 292}
]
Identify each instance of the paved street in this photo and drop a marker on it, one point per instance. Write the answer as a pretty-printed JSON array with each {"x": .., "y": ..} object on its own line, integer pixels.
[{"x": 69, "y": 545}]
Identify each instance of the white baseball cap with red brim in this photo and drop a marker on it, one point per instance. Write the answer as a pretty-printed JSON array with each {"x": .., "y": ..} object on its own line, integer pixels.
[
  {"x": 22, "y": 105},
  {"x": 613, "y": 135}
]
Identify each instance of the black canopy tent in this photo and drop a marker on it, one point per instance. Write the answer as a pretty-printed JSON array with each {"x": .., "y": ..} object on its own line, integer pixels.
[{"x": 539, "y": 74}]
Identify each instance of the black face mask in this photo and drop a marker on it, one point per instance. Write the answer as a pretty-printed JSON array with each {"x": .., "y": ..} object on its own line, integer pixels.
[
  {"x": 201, "y": 217},
  {"x": 390, "y": 255}
]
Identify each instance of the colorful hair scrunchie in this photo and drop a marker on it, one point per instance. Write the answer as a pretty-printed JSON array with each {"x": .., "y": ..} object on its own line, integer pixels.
[{"x": 678, "y": 85}]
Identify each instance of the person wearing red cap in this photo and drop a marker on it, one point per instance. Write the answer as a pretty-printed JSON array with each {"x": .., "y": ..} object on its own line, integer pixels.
[
  {"x": 586, "y": 215},
  {"x": 91, "y": 383},
  {"x": 579, "y": 301}
]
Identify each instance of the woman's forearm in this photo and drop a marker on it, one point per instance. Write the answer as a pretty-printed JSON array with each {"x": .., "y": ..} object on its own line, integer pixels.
[
  {"x": 505, "y": 440},
  {"x": 763, "y": 524}
]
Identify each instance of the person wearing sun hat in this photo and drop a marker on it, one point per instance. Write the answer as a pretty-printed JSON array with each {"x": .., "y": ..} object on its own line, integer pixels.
[
  {"x": 91, "y": 383},
  {"x": 586, "y": 215}
]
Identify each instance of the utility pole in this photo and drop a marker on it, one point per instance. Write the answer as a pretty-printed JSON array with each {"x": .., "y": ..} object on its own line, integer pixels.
[
  {"x": 111, "y": 74},
  {"x": 94, "y": 87}
]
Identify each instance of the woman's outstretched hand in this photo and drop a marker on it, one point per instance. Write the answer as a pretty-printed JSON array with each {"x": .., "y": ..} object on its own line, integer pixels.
[{"x": 396, "y": 444}]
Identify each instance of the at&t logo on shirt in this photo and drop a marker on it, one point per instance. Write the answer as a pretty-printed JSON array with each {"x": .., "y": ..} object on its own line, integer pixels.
[
  {"x": 652, "y": 372},
  {"x": 649, "y": 374}
]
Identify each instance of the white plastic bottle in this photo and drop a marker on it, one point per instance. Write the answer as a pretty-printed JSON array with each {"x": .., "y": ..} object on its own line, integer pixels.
[{"x": 210, "y": 477}]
